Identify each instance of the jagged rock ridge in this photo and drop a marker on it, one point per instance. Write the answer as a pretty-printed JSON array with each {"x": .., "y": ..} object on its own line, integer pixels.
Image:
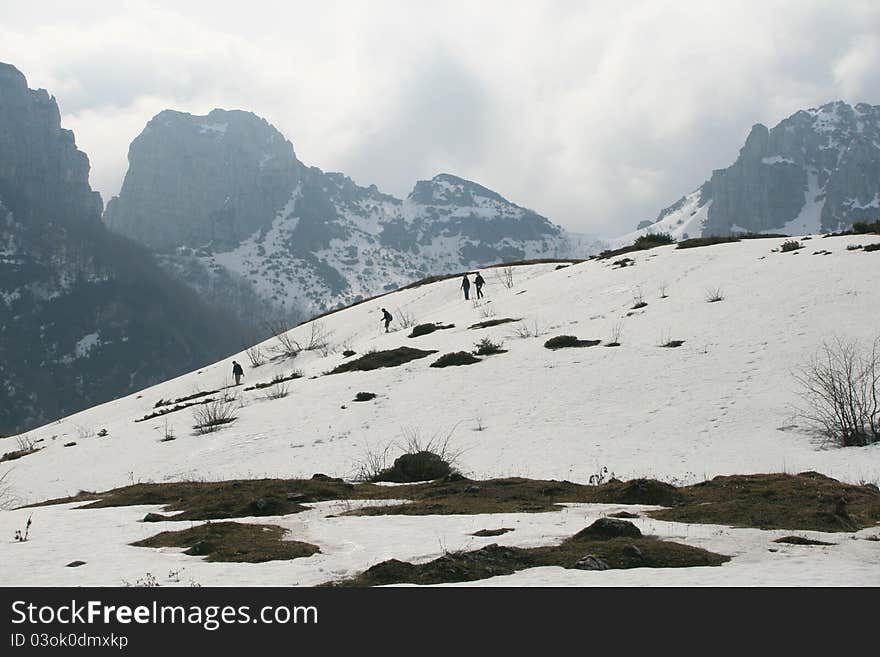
[
  {"x": 87, "y": 316},
  {"x": 232, "y": 212},
  {"x": 818, "y": 170}
]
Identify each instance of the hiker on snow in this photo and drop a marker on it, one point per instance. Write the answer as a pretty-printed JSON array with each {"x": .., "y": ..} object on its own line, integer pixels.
[
  {"x": 237, "y": 372},
  {"x": 466, "y": 286},
  {"x": 479, "y": 281},
  {"x": 386, "y": 317}
]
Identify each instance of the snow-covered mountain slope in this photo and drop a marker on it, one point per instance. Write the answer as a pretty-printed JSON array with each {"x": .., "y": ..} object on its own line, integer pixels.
[
  {"x": 236, "y": 215},
  {"x": 818, "y": 170},
  {"x": 721, "y": 403}
]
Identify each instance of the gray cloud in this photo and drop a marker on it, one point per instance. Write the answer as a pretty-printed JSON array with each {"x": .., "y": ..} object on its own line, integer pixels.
[{"x": 593, "y": 114}]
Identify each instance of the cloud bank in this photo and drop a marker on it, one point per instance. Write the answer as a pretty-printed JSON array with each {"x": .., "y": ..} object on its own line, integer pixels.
[{"x": 595, "y": 114}]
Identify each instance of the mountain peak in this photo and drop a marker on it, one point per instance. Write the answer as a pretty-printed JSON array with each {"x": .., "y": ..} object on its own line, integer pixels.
[{"x": 447, "y": 189}]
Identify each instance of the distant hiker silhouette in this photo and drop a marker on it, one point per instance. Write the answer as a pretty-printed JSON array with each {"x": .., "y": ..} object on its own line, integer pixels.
[
  {"x": 479, "y": 281},
  {"x": 237, "y": 372},
  {"x": 386, "y": 317},
  {"x": 466, "y": 286}
]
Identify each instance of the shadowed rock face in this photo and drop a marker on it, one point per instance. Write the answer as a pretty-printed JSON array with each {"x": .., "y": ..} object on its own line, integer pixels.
[
  {"x": 86, "y": 315},
  {"x": 43, "y": 177},
  {"x": 818, "y": 169},
  {"x": 203, "y": 180}
]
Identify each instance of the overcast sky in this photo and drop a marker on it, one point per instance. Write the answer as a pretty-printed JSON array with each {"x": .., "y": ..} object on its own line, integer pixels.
[{"x": 595, "y": 114}]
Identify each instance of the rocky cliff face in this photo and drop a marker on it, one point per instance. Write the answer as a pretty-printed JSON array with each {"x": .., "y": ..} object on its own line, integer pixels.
[
  {"x": 85, "y": 316},
  {"x": 203, "y": 180},
  {"x": 232, "y": 212},
  {"x": 818, "y": 170}
]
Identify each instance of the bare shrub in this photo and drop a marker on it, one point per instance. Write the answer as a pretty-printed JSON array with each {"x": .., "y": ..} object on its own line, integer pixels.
[
  {"x": 7, "y": 499},
  {"x": 277, "y": 389},
  {"x": 285, "y": 344},
  {"x": 169, "y": 432},
  {"x": 714, "y": 295},
  {"x": 486, "y": 311},
  {"x": 616, "y": 333},
  {"x": 505, "y": 276},
  {"x": 662, "y": 288},
  {"x": 372, "y": 463},
  {"x": 213, "y": 415},
  {"x": 840, "y": 388},
  {"x": 405, "y": 318},
  {"x": 638, "y": 295},
  {"x": 318, "y": 338},
  {"x": 256, "y": 356},
  {"x": 525, "y": 330}
]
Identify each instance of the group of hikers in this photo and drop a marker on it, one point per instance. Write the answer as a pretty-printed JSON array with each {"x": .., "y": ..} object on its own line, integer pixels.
[
  {"x": 479, "y": 282},
  {"x": 387, "y": 318}
]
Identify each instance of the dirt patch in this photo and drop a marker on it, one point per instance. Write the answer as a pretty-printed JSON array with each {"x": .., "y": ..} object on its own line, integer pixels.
[
  {"x": 640, "y": 491},
  {"x": 389, "y": 358},
  {"x": 364, "y": 396},
  {"x": 233, "y": 541},
  {"x": 806, "y": 501}
]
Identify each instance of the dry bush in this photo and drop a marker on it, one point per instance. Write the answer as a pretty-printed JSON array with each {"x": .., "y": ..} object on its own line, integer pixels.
[
  {"x": 405, "y": 318},
  {"x": 715, "y": 294},
  {"x": 256, "y": 356},
  {"x": 215, "y": 414},
  {"x": 505, "y": 276},
  {"x": 840, "y": 388},
  {"x": 524, "y": 330},
  {"x": 285, "y": 344}
]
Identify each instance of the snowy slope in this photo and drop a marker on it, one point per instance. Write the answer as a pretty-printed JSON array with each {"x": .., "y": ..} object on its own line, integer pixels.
[
  {"x": 720, "y": 404},
  {"x": 683, "y": 220}
]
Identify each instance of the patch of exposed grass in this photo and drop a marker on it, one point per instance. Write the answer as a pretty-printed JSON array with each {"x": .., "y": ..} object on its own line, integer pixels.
[
  {"x": 374, "y": 360},
  {"x": 174, "y": 409},
  {"x": 190, "y": 500},
  {"x": 871, "y": 247},
  {"x": 565, "y": 341},
  {"x": 455, "y": 358},
  {"x": 807, "y": 501},
  {"x": 800, "y": 540},
  {"x": 364, "y": 396},
  {"x": 425, "y": 329},
  {"x": 494, "y": 560},
  {"x": 494, "y": 322},
  {"x": 233, "y": 541},
  {"x": 281, "y": 378},
  {"x": 711, "y": 240},
  {"x": 18, "y": 453},
  {"x": 492, "y": 532}
]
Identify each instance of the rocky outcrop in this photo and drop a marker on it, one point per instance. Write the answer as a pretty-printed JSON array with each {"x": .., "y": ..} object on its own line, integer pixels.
[
  {"x": 231, "y": 211},
  {"x": 87, "y": 315},
  {"x": 816, "y": 171},
  {"x": 203, "y": 180},
  {"x": 39, "y": 161}
]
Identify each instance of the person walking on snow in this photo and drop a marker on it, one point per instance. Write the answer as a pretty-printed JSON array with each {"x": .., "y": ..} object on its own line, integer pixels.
[
  {"x": 386, "y": 317},
  {"x": 479, "y": 281},
  {"x": 466, "y": 286},
  {"x": 237, "y": 372}
]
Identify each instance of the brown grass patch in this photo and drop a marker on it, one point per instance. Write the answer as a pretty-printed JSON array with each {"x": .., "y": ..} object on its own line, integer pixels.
[{"x": 233, "y": 541}]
